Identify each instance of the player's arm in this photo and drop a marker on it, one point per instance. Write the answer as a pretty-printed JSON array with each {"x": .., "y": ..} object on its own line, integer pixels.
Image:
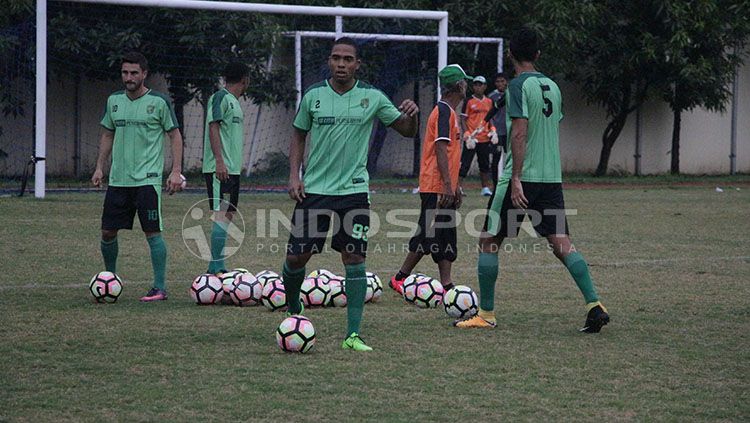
[
  {"x": 105, "y": 149},
  {"x": 214, "y": 136},
  {"x": 448, "y": 198},
  {"x": 296, "y": 151},
  {"x": 408, "y": 122},
  {"x": 518, "y": 133},
  {"x": 174, "y": 183},
  {"x": 462, "y": 118}
]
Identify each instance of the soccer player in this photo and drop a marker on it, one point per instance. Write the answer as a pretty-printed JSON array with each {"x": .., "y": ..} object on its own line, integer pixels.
[
  {"x": 134, "y": 124},
  {"x": 531, "y": 183},
  {"x": 496, "y": 115},
  {"x": 222, "y": 156},
  {"x": 438, "y": 183},
  {"x": 338, "y": 113},
  {"x": 478, "y": 133}
]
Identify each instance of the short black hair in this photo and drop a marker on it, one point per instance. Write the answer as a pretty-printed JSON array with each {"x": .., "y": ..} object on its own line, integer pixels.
[
  {"x": 135, "y": 57},
  {"x": 235, "y": 71},
  {"x": 346, "y": 41},
  {"x": 524, "y": 44},
  {"x": 500, "y": 75}
]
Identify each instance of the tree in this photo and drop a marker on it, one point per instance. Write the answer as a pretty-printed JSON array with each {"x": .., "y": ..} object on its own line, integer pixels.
[{"x": 701, "y": 56}]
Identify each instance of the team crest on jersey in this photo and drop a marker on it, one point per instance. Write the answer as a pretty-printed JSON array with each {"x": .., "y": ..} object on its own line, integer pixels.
[
  {"x": 114, "y": 108},
  {"x": 365, "y": 103},
  {"x": 150, "y": 109}
]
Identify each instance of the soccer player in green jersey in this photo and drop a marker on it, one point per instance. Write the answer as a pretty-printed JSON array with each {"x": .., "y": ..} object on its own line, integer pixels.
[
  {"x": 531, "y": 184},
  {"x": 222, "y": 156},
  {"x": 134, "y": 124},
  {"x": 338, "y": 113}
]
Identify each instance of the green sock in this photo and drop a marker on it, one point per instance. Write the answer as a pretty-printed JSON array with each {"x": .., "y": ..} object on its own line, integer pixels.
[
  {"x": 355, "y": 289},
  {"x": 218, "y": 240},
  {"x": 109, "y": 252},
  {"x": 487, "y": 269},
  {"x": 292, "y": 283},
  {"x": 158, "y": 260},
  {"x": 579, "y": 269}
]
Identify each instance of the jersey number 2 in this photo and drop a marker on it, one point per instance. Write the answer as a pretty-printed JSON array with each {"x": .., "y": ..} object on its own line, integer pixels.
[{"x": 547, "y": 102}]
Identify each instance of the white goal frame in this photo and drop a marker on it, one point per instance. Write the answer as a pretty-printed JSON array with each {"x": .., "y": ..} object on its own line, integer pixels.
[{"x": 40, "y": 130}]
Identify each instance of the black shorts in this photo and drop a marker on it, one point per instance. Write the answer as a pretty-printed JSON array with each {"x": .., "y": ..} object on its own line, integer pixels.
[
  {"x": 311, "y": 221},
  {"x": 217, "y": 189},
  {"x": 436, "y": 234},
  {"x": 122, "y": 203},
  {"x": 546, "y": 210},
  {"x": 483, "y": 151}
]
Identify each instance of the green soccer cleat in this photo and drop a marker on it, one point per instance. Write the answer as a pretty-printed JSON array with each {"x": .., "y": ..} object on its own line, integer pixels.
[{"x": 354, "y": 342}]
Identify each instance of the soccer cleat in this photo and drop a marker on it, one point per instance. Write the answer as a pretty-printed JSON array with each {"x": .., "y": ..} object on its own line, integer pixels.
[
  {"x": 354, "y": 342},
  {"x": 397, "y": 285},
  {"x": 486, "y": 192},
  {"x": 595, "y": 319},
  {"x": 475, "y": 322},
  {"x": 301, "y": 310},
  {"x": 154, "y": 294}
]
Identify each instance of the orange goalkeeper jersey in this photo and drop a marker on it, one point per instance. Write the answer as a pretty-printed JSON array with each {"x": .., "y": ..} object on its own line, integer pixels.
[{"x": 475, "y": 110}]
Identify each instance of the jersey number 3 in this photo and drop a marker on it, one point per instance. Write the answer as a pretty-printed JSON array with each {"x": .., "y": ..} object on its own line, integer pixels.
[{"x": 547, "y": 102}]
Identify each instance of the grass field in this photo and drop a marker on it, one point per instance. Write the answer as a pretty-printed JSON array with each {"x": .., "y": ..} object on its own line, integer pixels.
[{"x": 672, "y": 265}]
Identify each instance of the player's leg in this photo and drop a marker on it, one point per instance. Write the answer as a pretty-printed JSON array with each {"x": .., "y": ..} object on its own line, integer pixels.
[
  {"x": 310, "y": 222},
  {"x": 443, "y": 244},
  {"x": 219, "y": 227},
  {"x": 350, "y": 239},
  {"x": 483, "y": 160},
  {"x": 554, "y": 227},
  {"x": 118, "y": 213},
  {"x": 467, "y": 157},
  {"x": 417, "y": 246},
  {"x": 149, "y": 213}
]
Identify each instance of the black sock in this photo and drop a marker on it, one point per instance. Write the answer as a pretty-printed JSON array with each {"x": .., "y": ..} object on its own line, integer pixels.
[
  {"x": 449, "y": 286},
  {"x": 401, "y": 275}
]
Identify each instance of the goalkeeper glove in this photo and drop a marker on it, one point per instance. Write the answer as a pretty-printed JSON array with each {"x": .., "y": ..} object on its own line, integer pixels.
[{"x": 493, "y": 137}]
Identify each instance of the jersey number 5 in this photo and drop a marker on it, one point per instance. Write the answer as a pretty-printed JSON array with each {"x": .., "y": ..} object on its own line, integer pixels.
[{"x": 547, "y": 102}]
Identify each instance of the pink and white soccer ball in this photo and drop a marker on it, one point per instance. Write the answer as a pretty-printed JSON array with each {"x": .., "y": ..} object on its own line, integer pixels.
[
  {"x": 324, "y": 274},
  {"x": 460, "y": 302},
  {"x": 336, "y": 292},
  {"x": 106, "y": 287},
  {"x": 296, "y": 334},
  {"x": 314, "y": 291},
  {"x": 227, "y": 279},
  {"x": 274, "y": 294},
  {"x": 374, "y": 288},
  {"x": 206, "y": 289},
  {"x": 265, "y": 275},
  {"x": 424, "y": 292},
  {"x": 245, "y": 290}
]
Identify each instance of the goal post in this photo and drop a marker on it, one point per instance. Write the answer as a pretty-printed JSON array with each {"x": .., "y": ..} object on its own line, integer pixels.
[{"x": 338, "y": 12}]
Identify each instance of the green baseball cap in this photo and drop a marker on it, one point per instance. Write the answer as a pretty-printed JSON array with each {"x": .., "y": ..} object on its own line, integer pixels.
[{"x": 452, "y": 74}]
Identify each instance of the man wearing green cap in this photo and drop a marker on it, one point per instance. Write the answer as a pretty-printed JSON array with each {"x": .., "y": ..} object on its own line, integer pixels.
[
  {"x": 439, "y": 189},
  {"x": 338, "y": 113}
]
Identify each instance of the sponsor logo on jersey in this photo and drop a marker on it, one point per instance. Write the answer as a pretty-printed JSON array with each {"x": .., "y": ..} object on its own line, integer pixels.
[
  {"x": 114, "y": 108},
  {"x": 365, "y": 103},
  {"x": 358, "y": 180},
  {"x": 150, "y": 109},
  {"x": 129, "y": 122},
  {"x": 343, "y": 120},
  {"x": 236, "y": 119}
]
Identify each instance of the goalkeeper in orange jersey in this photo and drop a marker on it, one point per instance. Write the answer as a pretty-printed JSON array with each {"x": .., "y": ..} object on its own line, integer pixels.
[{"x": 478, "y": 134}]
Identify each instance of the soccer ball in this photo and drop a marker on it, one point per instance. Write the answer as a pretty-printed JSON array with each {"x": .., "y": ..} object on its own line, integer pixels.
[
  {"x": 241, "y": 270},
  {"x": 264, "y": 276},
  {"x": 274, "y": 294},
  {"x": 245, "y": 290},
  {"x": 227, "y": 279},
  {"x": 206, "y": 289},
  {"x": 336, "y": 292},
  {"x": 323, "y": 274},
  {"x": 460, "y": 302},
  {"x": 296, "y": 334},
  {"x": 106, "y": 287},
  {"x": 374, "y": 288},
  {"x": 424, "y": 292},
  {"x": 411, "y": 279},
  {"x": 314, "y": 291}
]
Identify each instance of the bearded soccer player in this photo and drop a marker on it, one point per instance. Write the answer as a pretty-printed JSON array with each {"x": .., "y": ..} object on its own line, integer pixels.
[
  {"x": 338, "y": 113},
  {"x": 531, "y": 184},
  {"x": 222, "y": 156},
  {"x": 134, "y": 124},
  {"x": 439, "y": 191}
]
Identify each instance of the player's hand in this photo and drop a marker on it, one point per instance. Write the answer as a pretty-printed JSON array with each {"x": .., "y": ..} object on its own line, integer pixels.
[
  {"x": 222, "y": 173},
  {"x": 493, "y": 137},
  {"x": 296, "y": 189},
  {"x": 409, "y": 108},
  {"x": 459, "y": 197},
  {"x": 471, "y": 142},
  {"x": 174, "y": 182},
  {"x": 516, "y": 194},
  {"x": 447, "y": 198},
  {"x": 96, "y": 179}
]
